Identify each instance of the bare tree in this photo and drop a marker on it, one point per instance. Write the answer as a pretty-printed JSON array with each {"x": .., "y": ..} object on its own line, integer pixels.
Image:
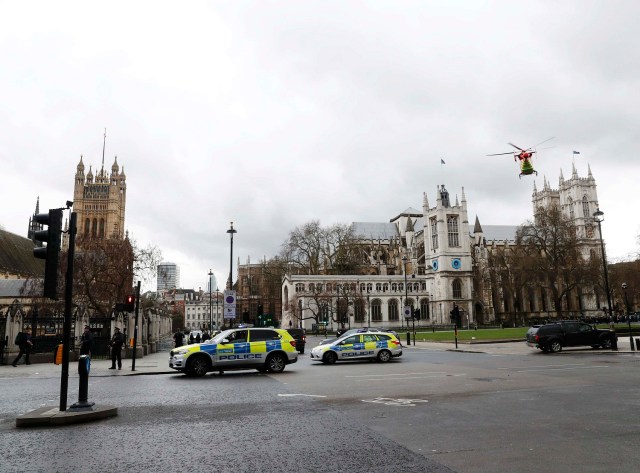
[
  {"x": 552, "y": 255},
  {"x": 313, "y": 249}
]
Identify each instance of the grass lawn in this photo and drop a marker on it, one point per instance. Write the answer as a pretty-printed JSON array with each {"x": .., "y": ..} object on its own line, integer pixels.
[{"x": 466, "y": 335}]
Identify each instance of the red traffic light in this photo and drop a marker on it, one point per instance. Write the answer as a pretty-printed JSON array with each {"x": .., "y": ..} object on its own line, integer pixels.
[{"x": 130, "y": 303}]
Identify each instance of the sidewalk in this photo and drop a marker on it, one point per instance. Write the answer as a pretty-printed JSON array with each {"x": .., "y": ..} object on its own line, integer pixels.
[{"x": 155, "y": 363}]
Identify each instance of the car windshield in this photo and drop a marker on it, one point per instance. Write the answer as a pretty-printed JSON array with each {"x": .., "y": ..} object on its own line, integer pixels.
[{"x": 221, "y": 336}]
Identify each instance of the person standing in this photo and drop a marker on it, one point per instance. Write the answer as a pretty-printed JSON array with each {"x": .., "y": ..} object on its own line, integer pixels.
[
  {"x": 116, "y": 349},
  {"x": 86, "y": 340},
  {"x": 23, "y": 340},
  {"x": 178, "y": 338}
]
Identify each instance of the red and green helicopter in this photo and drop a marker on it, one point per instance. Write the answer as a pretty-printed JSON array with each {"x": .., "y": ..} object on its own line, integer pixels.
[{"x": 525, "y": 156}]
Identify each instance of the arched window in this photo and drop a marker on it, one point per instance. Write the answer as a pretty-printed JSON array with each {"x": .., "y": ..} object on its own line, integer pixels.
[
  {"x": 87, "y": 227},
  {"x": 570, "y": 203},
  {"x": 385, "y": 287},
  {"x": 358, "y": 311},
  {"x": 376, "y": 311},
  {"x": 585, "y": 207},
  {"x": 392, "y": 306},
  {"x": 424, "y": 309},
  {"x": 452, "y": 230},
  {"x": 299, "y": 287},
  {"x": 101, "y": 228},
  {"x": 286, "y": 299},
  {"x": 456, "y": 287},
  {"x": 94, "y": 228}
]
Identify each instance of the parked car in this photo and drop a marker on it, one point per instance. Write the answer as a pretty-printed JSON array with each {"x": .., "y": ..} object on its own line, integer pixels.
[
  {"x": 570, "y": 333},
  {"x": 368, "y": 345},
  {"x": 300, "y": 336}
]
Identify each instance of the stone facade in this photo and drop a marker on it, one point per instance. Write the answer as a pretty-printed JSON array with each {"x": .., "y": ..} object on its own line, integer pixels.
[{"x": 433, "y": 259}]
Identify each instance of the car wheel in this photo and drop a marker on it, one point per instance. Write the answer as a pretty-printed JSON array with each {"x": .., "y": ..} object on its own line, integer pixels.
[
  {"x": 330, "y": 358},
  {"x": 606, "y": 343},
  {"x": 198, "y": 366},
  {"x": 384, "y": 356},
  {"x": 276, "y": 363},
  {"x": 555, "y": 346}
]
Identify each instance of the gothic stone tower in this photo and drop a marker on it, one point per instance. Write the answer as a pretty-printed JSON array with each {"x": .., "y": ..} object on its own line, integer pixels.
[
  {"x": 100, "y": 202},
  {"x": 447, "y": 251}
]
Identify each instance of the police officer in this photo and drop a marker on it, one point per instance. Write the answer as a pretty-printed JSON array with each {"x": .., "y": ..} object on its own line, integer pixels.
[{"x": 116, "y": 349}]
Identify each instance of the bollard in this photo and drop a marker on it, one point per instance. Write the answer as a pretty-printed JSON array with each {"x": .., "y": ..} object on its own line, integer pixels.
[
  {"x": 84, "y": 366},
  {"x": 637, "y": 344},
  {"x": 408, "y": 338},
  {"x": 614, "y": 343}
]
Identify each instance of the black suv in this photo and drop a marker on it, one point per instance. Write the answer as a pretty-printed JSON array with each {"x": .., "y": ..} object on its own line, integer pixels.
[
  {"x": 552, "y": 337},
  {"x": 300, "y": 337}
]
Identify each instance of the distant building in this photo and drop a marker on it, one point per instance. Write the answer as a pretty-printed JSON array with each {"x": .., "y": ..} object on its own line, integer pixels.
[
  {"x": 444, "y": 261},
  {"x": 168, "y": 276},
  {"x": 100, "y": 202}
]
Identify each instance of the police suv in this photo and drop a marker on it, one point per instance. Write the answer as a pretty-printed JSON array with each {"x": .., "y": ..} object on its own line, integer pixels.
[
  {"x": 263, "y": 349},
  {"x": 379, "y": 346}
]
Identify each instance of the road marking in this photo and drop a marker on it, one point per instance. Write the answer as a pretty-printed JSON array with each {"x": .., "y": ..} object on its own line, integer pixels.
[
  {"x": 307, "y": 395},
  {"x": 387, "y": 401}
]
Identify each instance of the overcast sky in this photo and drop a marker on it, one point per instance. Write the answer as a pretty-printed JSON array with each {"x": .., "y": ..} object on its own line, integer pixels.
[{"x": 274, "y": 113}]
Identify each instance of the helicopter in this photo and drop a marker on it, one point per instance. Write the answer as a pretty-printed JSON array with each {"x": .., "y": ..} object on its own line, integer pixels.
[{"x": 525, "y": 156}]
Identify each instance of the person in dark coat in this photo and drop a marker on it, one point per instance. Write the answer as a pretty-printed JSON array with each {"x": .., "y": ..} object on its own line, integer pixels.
[
  {"x": 86, "y": 341},
  {"x": 116, "y": 349},
  {"x": 178, "y": 338},
  {"x": 24, "y": 342}
]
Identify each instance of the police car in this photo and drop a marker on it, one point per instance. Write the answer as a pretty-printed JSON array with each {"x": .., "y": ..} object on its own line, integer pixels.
[
  {"x": 263, "y": 349},
  {"x": 379, "y": 346}
]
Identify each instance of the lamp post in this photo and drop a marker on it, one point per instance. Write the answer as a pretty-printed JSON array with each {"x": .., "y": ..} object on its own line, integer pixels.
[
  {"x": 231, "y": 231},
  {"x": 217, "y": 312},
  {"x": 598, "y": 216},
  {"x": 406, "y": 297},
  {"x": 210, "y": 301},
  {"x": 626, "y": 306}
]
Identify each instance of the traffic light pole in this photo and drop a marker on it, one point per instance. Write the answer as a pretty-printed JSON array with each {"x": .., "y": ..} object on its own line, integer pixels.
[
  {"x": 68, "y": 294},
  {"x": 135, "y": 328}
]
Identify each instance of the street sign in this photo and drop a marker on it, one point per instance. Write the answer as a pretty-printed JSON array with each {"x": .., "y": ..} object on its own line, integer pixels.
[
  {"x": 230, "y": 298},
  {"x": 407, "y": 312},
  {"x": 229, "y": 312}
]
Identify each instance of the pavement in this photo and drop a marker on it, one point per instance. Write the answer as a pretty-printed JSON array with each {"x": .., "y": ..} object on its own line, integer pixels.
[{"x": 157, "y": 363}]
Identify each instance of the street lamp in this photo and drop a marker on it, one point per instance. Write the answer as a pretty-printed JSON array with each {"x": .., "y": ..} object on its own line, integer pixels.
[
  {"x": 231, "y": 231},
  {"x": 626, "y": 306},
  {"x": 217, "y": 313},
  {"x": 406, "y": 297},
  {"x": 210, "y": 301},
  {"x": 598, "y": 216}
]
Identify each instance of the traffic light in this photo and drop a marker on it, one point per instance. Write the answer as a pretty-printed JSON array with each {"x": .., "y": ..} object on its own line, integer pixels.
[
  {"x": 130, "y": 303},
  {"x": 51, "y": 252}
]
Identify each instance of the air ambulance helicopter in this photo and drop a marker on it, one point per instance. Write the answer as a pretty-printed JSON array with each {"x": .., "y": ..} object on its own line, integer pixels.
[{"x": 525, "y": 156}]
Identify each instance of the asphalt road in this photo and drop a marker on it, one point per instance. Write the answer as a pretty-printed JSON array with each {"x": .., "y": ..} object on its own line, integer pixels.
[{"x": 429, "y": 411}]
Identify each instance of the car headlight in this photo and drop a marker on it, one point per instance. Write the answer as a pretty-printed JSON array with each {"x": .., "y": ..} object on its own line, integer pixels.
[{"x": 180, "y": 352}]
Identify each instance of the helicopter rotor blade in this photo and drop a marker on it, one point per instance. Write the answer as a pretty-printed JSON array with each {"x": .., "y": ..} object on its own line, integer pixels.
[
  {"x": 548, "y": 139},
  {"x": 499, "y": 154},
  {"x": 516, "y": 147}
]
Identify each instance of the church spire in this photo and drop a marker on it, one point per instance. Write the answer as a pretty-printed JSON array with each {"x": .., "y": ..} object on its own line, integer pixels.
[{"x": 477, "y": 228}]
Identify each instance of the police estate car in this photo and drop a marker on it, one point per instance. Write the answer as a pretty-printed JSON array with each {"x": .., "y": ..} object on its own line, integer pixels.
[
  {"x": 263, "y": 349},
  {"x": 369, "y": 345}
]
